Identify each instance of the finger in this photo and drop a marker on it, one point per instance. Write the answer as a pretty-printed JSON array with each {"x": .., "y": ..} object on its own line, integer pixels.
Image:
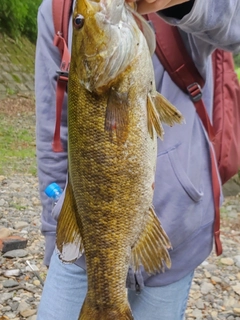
[
  {"x": 144, "y": 7},
  {"x": 161, "y": 3}
]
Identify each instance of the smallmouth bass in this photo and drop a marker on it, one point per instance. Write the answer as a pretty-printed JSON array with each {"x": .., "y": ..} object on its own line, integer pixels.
[{"x": 114, "y": 117}]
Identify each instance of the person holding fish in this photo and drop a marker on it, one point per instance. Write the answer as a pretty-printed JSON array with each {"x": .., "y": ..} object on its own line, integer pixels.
[{"x": 136, "y": 216}]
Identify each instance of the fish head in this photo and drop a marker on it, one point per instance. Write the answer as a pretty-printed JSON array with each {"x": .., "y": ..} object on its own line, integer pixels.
[{"x": 105, "y": 37}]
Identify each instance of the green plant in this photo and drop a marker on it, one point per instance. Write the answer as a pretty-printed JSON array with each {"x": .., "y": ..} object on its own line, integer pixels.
[
  {"x": 238, "y": 72},
  {"x": 30, "y": 27},
  {"x": 12, "y": 16},
  {"x": 237, "y": 60},
  {"x": 10, "y": 92},
  {"x": 19, "y": 18},
  {"x": 17, "y": 146}
]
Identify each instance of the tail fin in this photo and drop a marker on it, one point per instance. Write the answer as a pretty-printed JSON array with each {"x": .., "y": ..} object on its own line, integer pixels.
[{"x": 91, "y": 312}]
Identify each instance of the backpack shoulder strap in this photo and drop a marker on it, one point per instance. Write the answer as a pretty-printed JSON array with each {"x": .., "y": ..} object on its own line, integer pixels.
[
  {"x": 175, "y": 58},
  {"x": 178, "y": 63},
  {"x": 171, "y": 51},
  {"x": 61, "y": 10}
]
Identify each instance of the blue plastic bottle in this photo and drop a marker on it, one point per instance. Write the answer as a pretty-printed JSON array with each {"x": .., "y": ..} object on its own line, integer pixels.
[{"x": 54, "y": 192}]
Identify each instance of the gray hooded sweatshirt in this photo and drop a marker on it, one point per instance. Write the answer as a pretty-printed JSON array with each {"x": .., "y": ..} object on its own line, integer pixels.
[{"x": 183, "y": 198}]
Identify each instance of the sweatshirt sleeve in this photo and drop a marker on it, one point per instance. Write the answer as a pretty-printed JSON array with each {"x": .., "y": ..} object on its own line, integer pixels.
[
  {"x": 52, "y": 167},
  {"x": 214, "y": 22},
  {"x": 210, "y": 24}
]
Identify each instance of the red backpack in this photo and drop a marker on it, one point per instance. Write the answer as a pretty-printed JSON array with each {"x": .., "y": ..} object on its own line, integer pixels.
[{"x": 224, "y": 132}]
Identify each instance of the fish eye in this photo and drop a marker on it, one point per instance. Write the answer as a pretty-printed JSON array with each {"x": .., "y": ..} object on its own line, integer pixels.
[{"x": 78, "y": 21}]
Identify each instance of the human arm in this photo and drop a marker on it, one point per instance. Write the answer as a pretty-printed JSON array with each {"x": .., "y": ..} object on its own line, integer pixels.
[
  {"x": 214, "y": 21},
  {"x": 52, "y": 167}
]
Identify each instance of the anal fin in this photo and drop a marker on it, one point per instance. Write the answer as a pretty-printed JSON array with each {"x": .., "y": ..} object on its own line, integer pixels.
[
  {"x": 69, "y": 240},
  {"x": 151, "y": 249}
]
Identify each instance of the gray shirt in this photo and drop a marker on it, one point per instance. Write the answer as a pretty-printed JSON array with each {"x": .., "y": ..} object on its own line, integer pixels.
[{"x": 183, "y": 197}]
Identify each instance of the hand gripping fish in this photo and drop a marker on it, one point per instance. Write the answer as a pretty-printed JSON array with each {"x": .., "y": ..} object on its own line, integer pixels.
[{"x": 114, "y": 117}]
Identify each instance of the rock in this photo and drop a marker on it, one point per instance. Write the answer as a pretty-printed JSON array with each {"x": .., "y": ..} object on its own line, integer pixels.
[
  {"x": 5, "y": 232},
  {"x": 36, "y": 201},
  {"x": 12, "y": 273},
  {"x": 36, "y": 283},
  {"x": 229, "y": 302},
  {"x": 10, "y": 283},
  {"x": 237, "y": 258},
  {"x": 237, "y": 288},
  {"x": 2, "y": 178},
  {"x": 2, "y": 202},
  {"x": 5, "y": 296},
  {"x": 210, "y": 267},
  {"x": 27, "y": 313},
  {"x": 197, "y": 314},
  {"x": 12, "y": 243},
  {"x": 227, "y": 261},
  {"x": 207, "y": 274},
  {"x": 206, "y": 287},
  {"x": 236, "y": 311},
  {"x": 21, "y": 224},
  {"x": 216, "y": 280},
  {"x": 19, "y": 253},
  {"x": 10, "y": 315},
  {"x": 23, "y": 306},
  {"x": 214, "y": 314},
  {"x": 31, "y": 267},
  {"x": 200, "y": 304},
  {"x": 14, "y": 306}
]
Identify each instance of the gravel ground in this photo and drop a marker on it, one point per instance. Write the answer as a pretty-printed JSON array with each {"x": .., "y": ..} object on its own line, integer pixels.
[{"x": 215, "y": 292}]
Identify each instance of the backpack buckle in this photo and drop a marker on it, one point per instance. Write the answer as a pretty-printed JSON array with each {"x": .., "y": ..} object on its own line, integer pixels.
[
  {"x": 195, "y": 91},
  {"x": 62, "y": 75},
  {"x": 63, "y": 72}
]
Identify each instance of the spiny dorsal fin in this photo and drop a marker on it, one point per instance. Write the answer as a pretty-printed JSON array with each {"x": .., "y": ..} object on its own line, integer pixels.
[
  {"x": 69, "y": 241},
  {"x": 151, "y": 249}
]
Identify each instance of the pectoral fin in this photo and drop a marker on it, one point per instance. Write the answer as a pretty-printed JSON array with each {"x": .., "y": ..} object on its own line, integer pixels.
[
  {"x": 151, "y": 249},
  {"x": 167, "y": 112},
  {"x": 117, "y": 119},
  {"x": 69, "y": 241}
]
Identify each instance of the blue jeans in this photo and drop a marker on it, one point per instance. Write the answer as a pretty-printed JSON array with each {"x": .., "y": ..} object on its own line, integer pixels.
[{"x": 66, "y": 286}]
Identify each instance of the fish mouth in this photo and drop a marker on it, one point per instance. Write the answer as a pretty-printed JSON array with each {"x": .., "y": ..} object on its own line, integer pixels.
[
  {"x": 110, "y": 10},
  {"x": 92, "y": 5}
]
